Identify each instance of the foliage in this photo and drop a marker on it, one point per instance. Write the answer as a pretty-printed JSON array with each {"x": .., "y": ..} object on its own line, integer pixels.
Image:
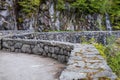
[
  {"x": 82, "y": 7},
  {"x": 84, "y": 40},
  {"x": 114, "y": 62},
  {"x": 60, "y": 5},
  {"x": 29, "y": 6},
  {"x": 113, "y": 54},
  {"x": 117, "y": 27},
  {"x": 87, "y": 6},
  {"x": 115, "y": 14},
  {"x": 20, "y": 20},
  {"x": 101, "y": 48},
  {"x": 110, "y": 40}
]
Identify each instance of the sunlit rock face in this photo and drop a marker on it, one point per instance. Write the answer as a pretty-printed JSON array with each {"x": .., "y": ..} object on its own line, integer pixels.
[{"x": 7, "y": 17}]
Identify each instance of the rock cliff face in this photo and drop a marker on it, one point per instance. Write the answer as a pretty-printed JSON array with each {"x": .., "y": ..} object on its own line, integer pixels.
[
  {"x": 7, "y": 15},
  {"x": 46, "y": 18},
  {"x": 52, "y": 19}
]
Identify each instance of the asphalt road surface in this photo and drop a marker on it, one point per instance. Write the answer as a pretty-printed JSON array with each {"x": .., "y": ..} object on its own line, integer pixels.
[{"x": 19, "y": 66}]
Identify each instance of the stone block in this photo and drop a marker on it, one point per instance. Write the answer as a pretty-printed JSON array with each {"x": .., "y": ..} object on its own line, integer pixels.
[
  {"x": 11, "y": 43},
  {"x": 51, "y": 49},
  {"x": 17, "y": 50},
  {"x": 61, "y": 51},
  {"x": 46, "y": 49},
  {"x": 41, "y": 45},
  {"x": 45, "y": 54},
  {"x": 106, "y": 74},
  {"x": 26, "y": 48},
  {"x": 61, "y": 58},
  {"x": 12, "y": 49},
  {"x": 68, "y": 75},
  {"x": 5, "y": 45},
  {"x": 18, "y": 45},
  {"x": 37, "y": 50},
  {"x": 49, "y": 55},
  {"x": 56, "y": 50}
]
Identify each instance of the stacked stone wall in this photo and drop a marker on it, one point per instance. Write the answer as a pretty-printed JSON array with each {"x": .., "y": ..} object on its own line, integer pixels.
[
  {"x": 83, "y": 61},
  {"x": 57, "y": 50},
  {"x": 78, "y": 37},
  {"x": 73, "y": 37},
  {"x": 13, "y": 32}
]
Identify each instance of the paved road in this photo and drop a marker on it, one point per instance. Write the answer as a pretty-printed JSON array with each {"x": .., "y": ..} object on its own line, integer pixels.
[{"x": 28, "y": 67}]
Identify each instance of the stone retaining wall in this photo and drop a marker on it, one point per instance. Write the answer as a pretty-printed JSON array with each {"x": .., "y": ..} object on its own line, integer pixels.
[
  {"x": 13, "y": 32},
  {"x": 74, "y": 37},
  {"x": 10, "y": 33},
  {"x": 83, "y": 61},
  {"x": 77, "y": 37},
  {"x": 58, "y": 50},
  {"x": 0, "y": 44}
]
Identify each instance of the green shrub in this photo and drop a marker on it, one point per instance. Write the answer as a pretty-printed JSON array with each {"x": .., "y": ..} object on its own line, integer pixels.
[
  {"x": 116, "y": 27},
  {"x": 60, "y": 5},
  {"x": 114, "y": 62},
  {"x": 101, "y": 49},
  {"x": 29, "y": 6}
]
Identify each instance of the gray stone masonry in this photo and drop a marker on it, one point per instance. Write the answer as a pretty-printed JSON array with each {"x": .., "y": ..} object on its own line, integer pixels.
[
  {"x": 9, "y": 33},
  {"x": 54, "y": 49},
  {"x": 83, "y": 61},
  {"x": 73, "y": 37}
]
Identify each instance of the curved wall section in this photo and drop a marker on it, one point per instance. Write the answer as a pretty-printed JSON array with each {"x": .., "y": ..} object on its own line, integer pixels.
[
  {"x": 58, "y": 50},
  {"x": 82, "y": 60}
]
